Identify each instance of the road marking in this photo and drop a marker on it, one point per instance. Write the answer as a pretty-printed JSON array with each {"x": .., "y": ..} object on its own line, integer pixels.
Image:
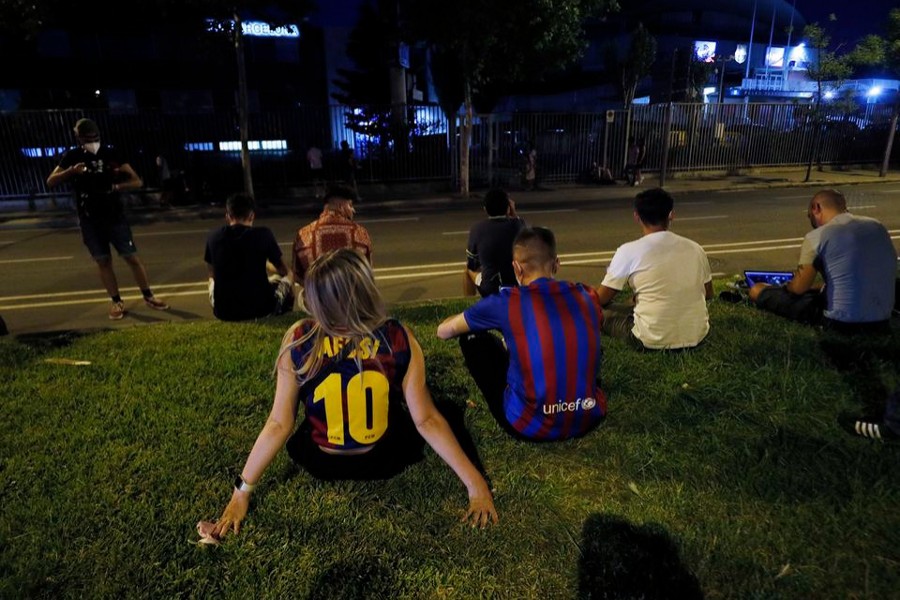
[
  {"x": 805, "y": 197},
  {"x": 397, "y": 220},
  {"x": 756, "y": 249},
  {"x": 96, "y": 301},
  {"x": 394, "y": 273},
  {"x": 733, "y": 244},
  {"x": 887, "y": 191},
  {"x": 700, "y": 218},
  {"x": 431, "y": 266},
  {"x": 182, "y": 232},
  {"x": 164, "y": 286},
  {"x": 416, "y": 275},
  {"x": 577, "y": 254},
  {"x": 27, "y": 260},
  {"x": 543, "y": 212},
  {"x": 454, "y": 233},
  {"x": 862, "y": 207},
  {"x": 5, "y": 243},
  {"x": 698, "y": 203}
]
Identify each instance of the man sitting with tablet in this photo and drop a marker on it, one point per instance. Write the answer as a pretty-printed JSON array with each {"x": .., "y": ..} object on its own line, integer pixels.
[{"x": 857, "y": 260}]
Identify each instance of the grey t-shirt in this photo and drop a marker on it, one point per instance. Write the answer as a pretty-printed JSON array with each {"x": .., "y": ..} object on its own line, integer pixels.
[{"x": 858, "y": 261}]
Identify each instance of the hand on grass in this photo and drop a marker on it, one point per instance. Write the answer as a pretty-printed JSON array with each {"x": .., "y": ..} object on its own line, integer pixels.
[
  {"x": 205, "y": 529},
  {"x": 481, "y": 511},
  {"x": 233, "y": 514}
]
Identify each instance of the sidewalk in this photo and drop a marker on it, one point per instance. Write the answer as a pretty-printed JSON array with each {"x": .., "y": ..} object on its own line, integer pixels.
[{"x": 16, "y": 214}]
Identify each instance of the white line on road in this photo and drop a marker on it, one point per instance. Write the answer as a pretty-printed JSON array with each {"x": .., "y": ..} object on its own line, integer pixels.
[
  {"x": 851, "y": 207},
  {"x": 164, "y": 286},
  {"x": 804, "y": 196},
  {"x": 887, "y": 191},
  {"x": 5, "y": 243},
  {"x": 431, "y": 266},
  {"x": 581, "y": 258},
  {"x": 543, "y": 212},
  {"x": 701, "y": 218},
  {"x": 416, "y": 275},
  {"x": 755, "y": 249},
  {"x": 577, "y": 254},
  {"x": 732, "y": 244},
  {"x": 27, "y": 260},
  {"x": 182, "y": 232},
  {"x": 397, "y": 220},
  {"x": 698, "y": 203},
  {"x": 454, "y": 233},
  {"x": 586, "y": 261},
  {"x": 95, "y": 300}
]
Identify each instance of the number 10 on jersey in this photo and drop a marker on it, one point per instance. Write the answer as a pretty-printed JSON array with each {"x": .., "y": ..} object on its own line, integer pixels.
[{"x": 367, "y": 406}]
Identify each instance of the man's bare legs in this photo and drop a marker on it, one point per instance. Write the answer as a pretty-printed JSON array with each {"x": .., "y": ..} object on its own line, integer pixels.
[
  {"x": 108, "y": 276},
  {"x": 138, "y": 270}
]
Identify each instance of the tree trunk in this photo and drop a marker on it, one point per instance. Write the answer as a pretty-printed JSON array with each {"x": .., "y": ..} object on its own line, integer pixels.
[
  {"x": 814, "y": 149},
  {"x": 243, "y": 103},
  {"x": 452, "y": 129},
  {"x": 464, "y": 143},
  {"x": 890, "y": 141}
]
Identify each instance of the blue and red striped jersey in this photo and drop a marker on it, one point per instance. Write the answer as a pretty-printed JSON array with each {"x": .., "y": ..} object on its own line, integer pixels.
[
  {"x": 347, "y": 406},
  {"x": 552, "y": 331}
]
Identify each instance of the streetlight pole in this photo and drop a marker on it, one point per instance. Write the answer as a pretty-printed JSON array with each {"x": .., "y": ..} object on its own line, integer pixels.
[{"x": 722, "y": 62}]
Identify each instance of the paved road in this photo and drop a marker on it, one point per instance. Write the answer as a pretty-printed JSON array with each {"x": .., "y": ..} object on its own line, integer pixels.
[{"x": 48, "y": 282}]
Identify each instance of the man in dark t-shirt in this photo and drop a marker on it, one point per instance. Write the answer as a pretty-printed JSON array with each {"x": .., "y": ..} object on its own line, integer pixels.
[
  {"x": 236, "y": 257},
  {"x": 489, "y": 251},
  {"x": 98, "y": 174}
]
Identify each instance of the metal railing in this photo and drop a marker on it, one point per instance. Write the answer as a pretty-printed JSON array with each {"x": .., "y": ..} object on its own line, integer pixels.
[{"x": 412, "y": 143}]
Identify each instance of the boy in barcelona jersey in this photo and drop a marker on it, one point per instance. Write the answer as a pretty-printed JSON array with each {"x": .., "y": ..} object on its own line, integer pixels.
[{"x": 544, "y": 384}]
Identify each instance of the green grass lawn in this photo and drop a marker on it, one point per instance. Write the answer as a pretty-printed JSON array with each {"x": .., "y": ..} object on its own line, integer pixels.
[{"x": 725, "y": 462}]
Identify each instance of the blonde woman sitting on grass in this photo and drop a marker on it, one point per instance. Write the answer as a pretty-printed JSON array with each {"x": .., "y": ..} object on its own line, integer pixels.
[{"x": 361, "y": 378}]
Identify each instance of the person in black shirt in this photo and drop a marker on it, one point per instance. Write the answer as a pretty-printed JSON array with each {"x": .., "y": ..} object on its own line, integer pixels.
[
  {"x": 98, "y": 174},
  {"x": 236, "y": 257},
  {"x": 489, "y": 251}
]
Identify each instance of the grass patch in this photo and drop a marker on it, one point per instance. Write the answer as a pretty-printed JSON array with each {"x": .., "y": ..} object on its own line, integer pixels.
[{"x": 722, "y": 468}]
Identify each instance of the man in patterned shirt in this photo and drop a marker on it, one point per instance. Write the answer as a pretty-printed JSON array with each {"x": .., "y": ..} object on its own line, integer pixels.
[
  {"x": 545, "y": 384},
  {"x": 333, "y": 229}
]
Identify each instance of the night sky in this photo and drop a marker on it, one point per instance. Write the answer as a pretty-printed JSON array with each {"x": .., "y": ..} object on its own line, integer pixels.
[{"x": 855, "y": 18}]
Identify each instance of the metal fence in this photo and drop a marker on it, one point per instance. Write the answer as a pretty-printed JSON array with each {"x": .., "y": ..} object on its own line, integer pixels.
[{"x": 415, "y": 142}]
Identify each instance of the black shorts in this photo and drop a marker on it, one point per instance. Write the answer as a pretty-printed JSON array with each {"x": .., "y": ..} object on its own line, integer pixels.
[
  {"x": 98, "y": 235},
  {"x": 804, "y": 308},
  {"x": 394, "y": 452}
]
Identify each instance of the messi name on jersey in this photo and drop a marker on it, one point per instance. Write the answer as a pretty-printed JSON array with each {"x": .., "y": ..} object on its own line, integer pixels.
[{"x": 332, "y": 346}]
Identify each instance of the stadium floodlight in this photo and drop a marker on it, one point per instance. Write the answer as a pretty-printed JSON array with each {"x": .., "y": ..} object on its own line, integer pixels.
[{"x": 873, "y": 91}]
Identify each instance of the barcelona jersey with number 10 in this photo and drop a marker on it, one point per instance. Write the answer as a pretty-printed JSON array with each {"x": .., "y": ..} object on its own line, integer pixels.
[{"x": 348, "y": 407}]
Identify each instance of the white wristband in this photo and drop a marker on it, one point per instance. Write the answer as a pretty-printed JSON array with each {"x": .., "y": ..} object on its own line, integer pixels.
[{"x": 243, "y": 486}]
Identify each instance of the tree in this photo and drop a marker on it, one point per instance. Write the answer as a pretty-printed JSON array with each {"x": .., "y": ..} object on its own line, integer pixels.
[
  {"x": 826, "y": 67},
  {"x": 500, "y": 42},
  {"x": 636, "y": 63},
  {"x": 884, "y": 52},
  {"x": 274, "y": 12},
  {"x": 373, "y": 47}
]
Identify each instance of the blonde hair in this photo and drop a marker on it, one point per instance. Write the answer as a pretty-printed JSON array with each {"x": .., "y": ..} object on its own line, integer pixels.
[{"x": 340, "y": 293}]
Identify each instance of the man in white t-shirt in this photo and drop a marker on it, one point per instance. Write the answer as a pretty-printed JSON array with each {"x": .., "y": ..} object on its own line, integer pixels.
[{"x": 669, "y": 276}]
